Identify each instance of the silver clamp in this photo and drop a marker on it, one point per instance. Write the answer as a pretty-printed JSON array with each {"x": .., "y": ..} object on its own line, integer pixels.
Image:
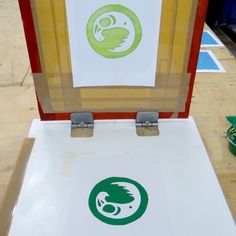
[
  {"x": 147, "y": 123},
  {"x": 82, "y": 124}
]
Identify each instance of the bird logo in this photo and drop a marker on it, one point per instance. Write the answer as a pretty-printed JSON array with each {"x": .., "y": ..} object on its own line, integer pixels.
[
  {"x": 118, "y": 201},
  {"x": 114, "y": 31}
]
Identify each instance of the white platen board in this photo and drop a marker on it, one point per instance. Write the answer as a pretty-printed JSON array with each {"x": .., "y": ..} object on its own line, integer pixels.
[
  {"x": 114, "y": 44},
  {"x": 173, "y": 169}
]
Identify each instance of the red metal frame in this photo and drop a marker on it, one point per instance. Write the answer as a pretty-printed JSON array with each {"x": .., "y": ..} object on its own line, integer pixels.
[{"x": 32, "y": 46}]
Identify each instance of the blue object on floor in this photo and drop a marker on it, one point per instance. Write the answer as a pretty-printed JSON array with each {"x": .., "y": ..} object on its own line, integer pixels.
[
  {"x": 206, "y": 62},
  {"x": 228, "y": 15},
  {"x": 208, "y": 40}
]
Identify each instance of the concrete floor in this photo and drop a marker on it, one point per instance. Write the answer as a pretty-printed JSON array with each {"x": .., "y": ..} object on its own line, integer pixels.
[
  {"x": 214, "y": 98},
  {"x": 17, "y": 97}
]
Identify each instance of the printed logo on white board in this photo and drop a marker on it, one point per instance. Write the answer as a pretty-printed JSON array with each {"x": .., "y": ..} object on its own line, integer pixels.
[{"x": 118, "y": 201}]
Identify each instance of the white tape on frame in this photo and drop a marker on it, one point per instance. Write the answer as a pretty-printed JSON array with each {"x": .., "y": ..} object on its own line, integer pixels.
[{"x": 114, "y": 44}]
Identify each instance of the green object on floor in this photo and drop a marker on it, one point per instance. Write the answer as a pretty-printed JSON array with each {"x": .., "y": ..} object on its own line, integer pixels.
[
  {"x": 231, "y": 134},
  {"x": 232, "y": 120}
]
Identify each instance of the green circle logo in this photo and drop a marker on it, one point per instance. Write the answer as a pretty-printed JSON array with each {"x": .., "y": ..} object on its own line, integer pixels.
[
  {"x": 114, "y": 31},
  {"x": 118, "y": 201}
]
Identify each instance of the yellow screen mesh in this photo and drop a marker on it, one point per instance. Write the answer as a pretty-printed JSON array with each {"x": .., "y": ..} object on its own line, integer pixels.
[{"x": 54, "y": 86}]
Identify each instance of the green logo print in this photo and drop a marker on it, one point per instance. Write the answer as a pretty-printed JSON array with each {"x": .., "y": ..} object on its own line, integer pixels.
[
  {"x": 118, "y": 201},
  {"x": 114, "y": 31}
]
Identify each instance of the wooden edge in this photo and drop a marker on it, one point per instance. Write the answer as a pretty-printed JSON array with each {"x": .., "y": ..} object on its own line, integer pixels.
[
  {"x": 30, "y": 35},
  {"x": 194, "y": 52},
  {"x": 14, "y": 187}
]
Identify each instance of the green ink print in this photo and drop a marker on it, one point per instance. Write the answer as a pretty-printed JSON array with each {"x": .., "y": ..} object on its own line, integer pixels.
[
  {"x": 114, "y": 31},
  {"x": 118, "y": 201},
  {"x": 105, "y": 22}
]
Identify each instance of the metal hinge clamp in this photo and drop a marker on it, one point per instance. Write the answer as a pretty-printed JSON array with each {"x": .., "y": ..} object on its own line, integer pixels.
[
  {"x": 147, "y": 123},
  {"x": 82, "y": 124}
]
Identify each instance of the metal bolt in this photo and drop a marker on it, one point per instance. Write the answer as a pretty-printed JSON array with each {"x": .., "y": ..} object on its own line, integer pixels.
[
  {"x": 82, "y": 124},
  {"x": 147, "y": 123}
]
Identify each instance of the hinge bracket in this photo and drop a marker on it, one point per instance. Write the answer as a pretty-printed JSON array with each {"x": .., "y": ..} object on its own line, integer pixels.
[
  {"x": 82, "y": 124},
  {"x": 147, "y": 123}
]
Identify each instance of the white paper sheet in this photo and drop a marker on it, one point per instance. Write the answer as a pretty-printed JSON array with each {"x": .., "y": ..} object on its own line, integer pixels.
[{"x": 114, "y": 43}]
